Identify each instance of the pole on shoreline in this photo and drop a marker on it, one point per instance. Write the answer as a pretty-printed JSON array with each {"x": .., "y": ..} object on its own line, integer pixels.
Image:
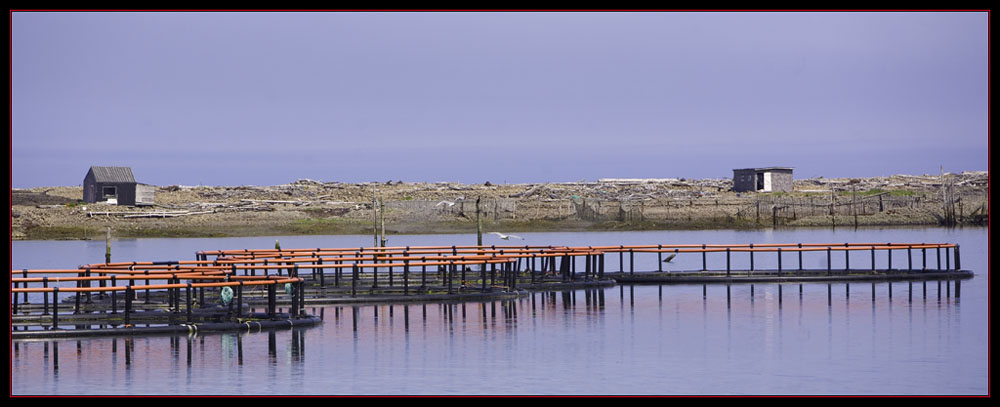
[
  {"x": 374, "y": 218},
  {"x": 381, "y": 212},
  {"x": 479, "y": 225},
  {"x": 107, "y": 247}
]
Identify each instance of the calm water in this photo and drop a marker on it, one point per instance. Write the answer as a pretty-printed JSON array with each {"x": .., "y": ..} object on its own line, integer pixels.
[{"x": 623, "y": 340}]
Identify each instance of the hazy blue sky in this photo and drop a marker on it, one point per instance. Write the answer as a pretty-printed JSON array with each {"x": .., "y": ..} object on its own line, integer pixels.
[{"x": 267, "y": 98}]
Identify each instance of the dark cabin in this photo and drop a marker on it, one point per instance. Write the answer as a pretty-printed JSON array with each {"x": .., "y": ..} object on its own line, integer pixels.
[
  {"x": 769, "y": 179},
  {"x": 115, "y": 185}
]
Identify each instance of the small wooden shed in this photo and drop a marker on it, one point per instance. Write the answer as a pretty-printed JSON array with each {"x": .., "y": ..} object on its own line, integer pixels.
[
  {"x": 768, "y": 179},
  {"x": 116, "y": 185}
]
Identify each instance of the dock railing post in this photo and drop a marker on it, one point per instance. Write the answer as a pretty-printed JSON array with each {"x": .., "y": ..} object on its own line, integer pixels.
[
  {"x": 621, "y": 259},
  {"x": 659, "y": 258},
  {"x": 24, "y": 272},
  {"x": 482, "y": 274},
  {"x": 354, "y": 280},
  {"x": 45, "y": 296},
  {"x": 847, "y": 257},
  {"x": 800, "y": 256},
  {"x": 958, "y": 261},
  {"x": 271, "y": 299},
  {"x": 727, "y": 262},
  {"x": 779, "y": 261},
  {"x": 128, "y": 303},
  {"x": 239, "y": 300},
  {"x": 55, "y": 307},
  {"x": 406, "y": 277},
  {"x": 829, "y": 263},
  {"x": 704, "y": 258},
  {"x": 631, "y": 261}
]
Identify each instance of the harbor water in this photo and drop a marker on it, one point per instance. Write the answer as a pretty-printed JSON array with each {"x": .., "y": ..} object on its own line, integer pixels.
[{"x": 907, "y": 338}]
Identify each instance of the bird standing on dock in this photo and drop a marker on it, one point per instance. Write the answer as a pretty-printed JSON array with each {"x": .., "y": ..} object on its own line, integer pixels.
[
  {"x": 670, "y": 259},
  {"x": 506, "y": 237}
]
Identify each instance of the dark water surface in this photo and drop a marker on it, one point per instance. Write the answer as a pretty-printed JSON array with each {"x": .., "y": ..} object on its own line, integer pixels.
[{"x": 680, "y": 339}]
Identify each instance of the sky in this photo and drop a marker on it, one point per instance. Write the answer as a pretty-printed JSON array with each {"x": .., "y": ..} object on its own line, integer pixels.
[{"x": 266, "y": 98}]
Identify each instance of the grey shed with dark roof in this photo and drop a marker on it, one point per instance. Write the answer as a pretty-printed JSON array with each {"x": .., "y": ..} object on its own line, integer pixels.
[
  {"x": 115, "y": 183},
  {"x": 767, "y": 179}
]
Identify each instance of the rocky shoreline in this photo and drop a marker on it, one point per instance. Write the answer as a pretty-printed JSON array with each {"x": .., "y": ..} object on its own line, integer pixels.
[{"x": 313, "y": 207}]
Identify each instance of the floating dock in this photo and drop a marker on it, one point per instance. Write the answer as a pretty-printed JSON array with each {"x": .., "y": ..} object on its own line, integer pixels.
[{"x": 221, "y": 289}]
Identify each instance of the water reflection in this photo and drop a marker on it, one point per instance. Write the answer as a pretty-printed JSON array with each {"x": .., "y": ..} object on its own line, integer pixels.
[{"x": 399, "y": 338}]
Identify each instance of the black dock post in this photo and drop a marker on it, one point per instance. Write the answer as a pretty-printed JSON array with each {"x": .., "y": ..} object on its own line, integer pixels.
[
  {"x": 87, "y": 284},
  {"x": 14, "y": 296},
  {"x": 751, "y": 256},
  {"x": 621, "y": 259},
  {"x": 800, "y": 256},
  {"x": 659, "y": 258},
  {"x": 321, "y": 272},
  {"x": 239, "y": 299},
  {"x": 55, "y": 307},
  {"x": 513, "y": 278},
  {"x": 958, "y": 261},
  {"x": 847, "y": 258},
  {"x": 873, "y": 259},
  {"x": 829, "y": 267},
  {"x": 779, "y": 261},
  {"x": 45, "y": 296},
  {"x": 450, "y": 272},
  {"x": 532, "y": 268},
  {"x": 25, "y": 296},
  {"x": 482, "y": 274},
  {"x": 423, "y": 273},
  {"x": 704, "y": 258},
  {"x": 271, "y": 300},
  {"x": 76, "y": 309},
  {"x": 727, "y": 262},
  {"x": 354, "y": 280},
  {"x": 631, "y": 261},
  {"x": 128, "y": 303},
  {"x": 406, "y": 277},
  {"x": 114, "y": 296},
  {"x": 909, "y": 257},
  {"x": 188, "y": 302}
]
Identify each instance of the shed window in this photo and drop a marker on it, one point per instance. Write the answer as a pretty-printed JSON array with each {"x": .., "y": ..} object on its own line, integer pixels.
[{"x": 110, "y": 192}]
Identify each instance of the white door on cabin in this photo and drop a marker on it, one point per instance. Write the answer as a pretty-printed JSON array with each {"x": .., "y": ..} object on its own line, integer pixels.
[{"x": 767, "y": 182}]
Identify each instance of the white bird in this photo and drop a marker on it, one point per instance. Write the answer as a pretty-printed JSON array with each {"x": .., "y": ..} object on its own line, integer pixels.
[
  {"x": 506, "y": 237},
  {"x": 449, "y": 203}
]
